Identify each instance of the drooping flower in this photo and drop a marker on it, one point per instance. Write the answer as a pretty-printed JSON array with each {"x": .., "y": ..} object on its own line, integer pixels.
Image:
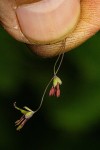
[
  {"x": 27, "y": 114},
  {"x": 55, "y": 89}
]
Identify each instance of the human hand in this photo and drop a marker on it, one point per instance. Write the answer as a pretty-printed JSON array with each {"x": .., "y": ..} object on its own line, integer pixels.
[{"x": 87, "y": 26}]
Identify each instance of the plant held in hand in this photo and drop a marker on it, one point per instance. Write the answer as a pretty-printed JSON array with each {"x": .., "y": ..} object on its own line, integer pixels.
[{"x": 55, "y": 90}]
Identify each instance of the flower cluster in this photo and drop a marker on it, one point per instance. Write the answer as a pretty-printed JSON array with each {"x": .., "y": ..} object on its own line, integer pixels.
[
  {"x": 27, "y": 114},
  {"x": 55, "y": 89}
]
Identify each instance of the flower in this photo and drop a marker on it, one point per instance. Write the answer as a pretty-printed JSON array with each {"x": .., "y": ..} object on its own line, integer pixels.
[
  {"x": 55, "y": 89},
  {"x": 27, "y": 114}
]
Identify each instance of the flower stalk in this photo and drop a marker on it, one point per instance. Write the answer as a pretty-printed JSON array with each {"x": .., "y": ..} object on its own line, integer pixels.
[
  {"x": 54, "y": 91},
  {"x": 27, "y": 114}
]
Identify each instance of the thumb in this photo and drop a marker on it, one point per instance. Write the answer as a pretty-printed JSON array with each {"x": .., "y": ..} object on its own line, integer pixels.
[{"x": 87, "y": 26}]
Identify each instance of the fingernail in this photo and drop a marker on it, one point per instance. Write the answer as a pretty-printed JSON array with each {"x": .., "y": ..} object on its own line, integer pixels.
[{"x": 48, "y": 21}]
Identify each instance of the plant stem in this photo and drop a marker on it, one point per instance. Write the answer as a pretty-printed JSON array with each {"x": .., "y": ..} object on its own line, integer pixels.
[{"x": 61, "y": 55}]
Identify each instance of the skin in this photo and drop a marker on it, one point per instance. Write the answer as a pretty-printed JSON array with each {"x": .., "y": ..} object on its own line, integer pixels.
[{"x": 87, "y": 26}]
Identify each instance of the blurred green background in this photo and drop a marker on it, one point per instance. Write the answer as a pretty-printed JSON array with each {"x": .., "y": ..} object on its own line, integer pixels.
[{"x": 69, "y": 122}]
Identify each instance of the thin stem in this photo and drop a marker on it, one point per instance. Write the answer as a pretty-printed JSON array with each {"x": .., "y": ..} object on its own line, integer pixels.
[
  {"x": 59, "y": 64},
  {"x": 55, "y": 72},
  {"x": 44, "y": 95},
  {"x": 56, "y": 64},
  {"x": 61, "y": 55}
]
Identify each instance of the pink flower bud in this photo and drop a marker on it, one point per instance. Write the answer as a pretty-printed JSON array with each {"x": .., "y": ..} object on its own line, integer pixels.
[
  {"x": 52, "y": 91},
  {"x": 58, "y": 93}
]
